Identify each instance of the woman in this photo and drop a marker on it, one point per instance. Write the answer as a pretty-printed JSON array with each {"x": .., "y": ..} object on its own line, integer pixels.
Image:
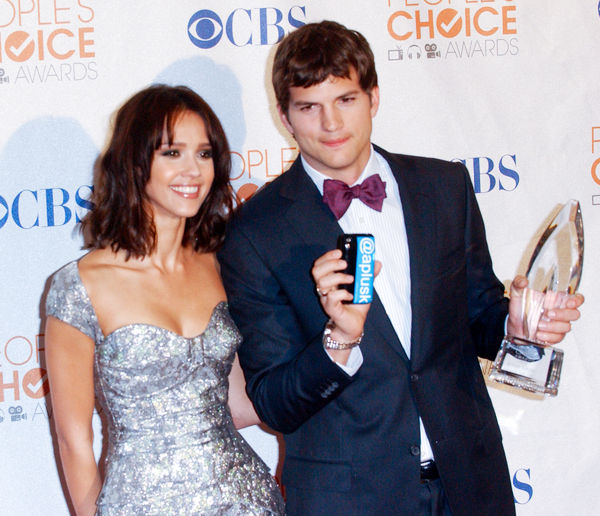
[{"x": 141, "y": 321}]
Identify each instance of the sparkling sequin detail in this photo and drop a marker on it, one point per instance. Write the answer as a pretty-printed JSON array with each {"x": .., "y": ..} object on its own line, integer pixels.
[{"x": 172, "y": 447}]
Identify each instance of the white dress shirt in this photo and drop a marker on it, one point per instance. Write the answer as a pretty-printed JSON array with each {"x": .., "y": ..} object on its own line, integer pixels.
[{"x": 391, "y": 249}]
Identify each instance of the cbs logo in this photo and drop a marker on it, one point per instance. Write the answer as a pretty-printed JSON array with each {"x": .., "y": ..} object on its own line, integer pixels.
[{"x": 242, "y": 27}]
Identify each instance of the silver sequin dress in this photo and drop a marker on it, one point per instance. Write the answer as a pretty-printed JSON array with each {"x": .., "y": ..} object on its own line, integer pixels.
[{"x": 172, "y": 446}]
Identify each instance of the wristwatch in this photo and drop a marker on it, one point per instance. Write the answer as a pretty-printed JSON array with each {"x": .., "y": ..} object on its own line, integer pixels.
[{"x": 330, "y": 343}]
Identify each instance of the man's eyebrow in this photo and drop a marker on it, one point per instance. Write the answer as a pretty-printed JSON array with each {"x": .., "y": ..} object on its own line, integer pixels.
[{"x": 354, "y": 91}]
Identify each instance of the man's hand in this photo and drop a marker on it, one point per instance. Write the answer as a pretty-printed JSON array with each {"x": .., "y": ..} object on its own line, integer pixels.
[
  {"x": 554, "y": 323},
  {"x": 349, "y": 319}
]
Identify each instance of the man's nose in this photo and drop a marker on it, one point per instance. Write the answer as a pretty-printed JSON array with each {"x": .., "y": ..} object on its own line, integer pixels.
[{"x": 331, "y": 119}]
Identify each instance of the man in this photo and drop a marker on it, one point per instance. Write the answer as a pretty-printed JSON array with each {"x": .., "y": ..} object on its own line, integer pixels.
[{"x": 400, "y": 421}]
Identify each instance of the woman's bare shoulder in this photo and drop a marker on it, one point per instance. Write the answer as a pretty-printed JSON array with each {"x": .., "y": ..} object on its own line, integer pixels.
[
  {"x": 102, "y": 261},
  {"x": 103, "y": 270}
]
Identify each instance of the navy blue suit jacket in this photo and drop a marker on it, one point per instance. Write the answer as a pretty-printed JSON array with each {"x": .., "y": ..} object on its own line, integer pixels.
[{"x": 352, "y": 443}]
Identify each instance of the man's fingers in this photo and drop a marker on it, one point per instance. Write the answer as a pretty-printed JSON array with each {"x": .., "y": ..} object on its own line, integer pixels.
[
  {"x": 575, "y": 301},
  {"x": 330, "y": 282},
  {"x": 554, "y": 326},
  {"x": 334, "y": 254},
  {"x": 377, "y": 269},
  {"x": 336, "y": 296},
  {"x": 517, "y": 286}
]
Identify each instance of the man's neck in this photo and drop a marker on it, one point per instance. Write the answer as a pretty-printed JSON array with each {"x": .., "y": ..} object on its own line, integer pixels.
[{"x": 318, "y": 177}]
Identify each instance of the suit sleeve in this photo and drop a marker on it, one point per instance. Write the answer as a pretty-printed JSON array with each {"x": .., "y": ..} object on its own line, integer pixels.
[
  {"x": 289, "y": 376},
  {"x": 487, "y": 305}
]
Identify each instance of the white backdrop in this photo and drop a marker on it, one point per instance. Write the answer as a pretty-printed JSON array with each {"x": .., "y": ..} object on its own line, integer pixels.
[{"x": 508, "y": 86}]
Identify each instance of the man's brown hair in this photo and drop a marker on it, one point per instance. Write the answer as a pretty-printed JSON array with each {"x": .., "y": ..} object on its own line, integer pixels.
[{"x": 316, "y": 51}]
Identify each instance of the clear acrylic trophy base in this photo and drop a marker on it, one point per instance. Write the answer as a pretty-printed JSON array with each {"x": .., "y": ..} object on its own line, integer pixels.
[
  {"x": 553, "y": 275},
  {"x": 528, "y": 365}
]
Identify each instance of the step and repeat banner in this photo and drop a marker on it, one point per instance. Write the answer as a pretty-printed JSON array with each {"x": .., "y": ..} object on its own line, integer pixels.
[{"x": 508, "y": 87}]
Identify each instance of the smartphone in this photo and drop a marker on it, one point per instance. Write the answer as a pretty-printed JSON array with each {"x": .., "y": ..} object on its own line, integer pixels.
[{"x": 358, "y": 249}]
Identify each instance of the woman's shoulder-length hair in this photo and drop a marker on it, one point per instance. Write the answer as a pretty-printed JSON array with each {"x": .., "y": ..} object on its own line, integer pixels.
[{"x": 120, "y": 217}]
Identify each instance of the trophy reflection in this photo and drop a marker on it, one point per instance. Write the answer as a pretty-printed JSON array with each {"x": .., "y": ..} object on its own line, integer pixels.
[{"x": 553, "y": 273}]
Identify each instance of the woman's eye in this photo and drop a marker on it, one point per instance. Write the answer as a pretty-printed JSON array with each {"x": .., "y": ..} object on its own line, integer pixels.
[
  {"x": 172, "y": 153},
  {"x": 206, "y": 154}
]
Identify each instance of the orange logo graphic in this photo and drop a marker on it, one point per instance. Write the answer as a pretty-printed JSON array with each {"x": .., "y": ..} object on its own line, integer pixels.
[
  {"x": 37, "y": 32},
  {"x": 35, "y": 383},
  {"x": 452, "y": 23},
  {"x": 19, "y": 46},
  {"x": 20, "y": 351},
  {"x": 595, "y": 164},
  {"x": 449, "y": 23},
  {"x": 245, "y": 192}
]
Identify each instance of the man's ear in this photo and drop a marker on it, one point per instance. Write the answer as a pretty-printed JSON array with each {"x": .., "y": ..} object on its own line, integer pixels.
[
  {"x": 284, "y": 119},
  {"x": 374, "y": 96}
]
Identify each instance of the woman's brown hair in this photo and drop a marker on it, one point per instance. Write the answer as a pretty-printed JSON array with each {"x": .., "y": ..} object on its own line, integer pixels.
[{"x": 120, "y": 217}]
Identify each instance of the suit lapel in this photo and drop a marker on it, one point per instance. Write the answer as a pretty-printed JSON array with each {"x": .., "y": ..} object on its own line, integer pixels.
[
  {"x": 419, "y": 220},
  {"x": 307, "y": 213},
  {"x": 316, "y": 225}
]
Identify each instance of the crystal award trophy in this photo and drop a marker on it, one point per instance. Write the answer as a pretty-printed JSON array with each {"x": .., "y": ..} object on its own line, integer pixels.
[{"x": 553, "y": 273}]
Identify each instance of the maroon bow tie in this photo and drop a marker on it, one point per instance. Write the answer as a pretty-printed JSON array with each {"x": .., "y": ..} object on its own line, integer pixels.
[{"x": 338, "y": 195}]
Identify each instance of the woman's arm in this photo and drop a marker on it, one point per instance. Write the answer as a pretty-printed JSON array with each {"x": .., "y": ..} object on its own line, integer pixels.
[
  {"x": 241, "y": 407},
  {"x": 70, "y": 359}
]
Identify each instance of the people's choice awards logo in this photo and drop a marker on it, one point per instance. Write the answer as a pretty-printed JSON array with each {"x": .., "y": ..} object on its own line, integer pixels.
[
  {"x": 254, "y": 167},
  {"x": 19, "y": 46},
  {"x": 26, "y": 380},
  {"x": 35, "y": 383},
  {"x": 243, "y": 27},
  {"x": 452, "y": 29},
  {"x": 23, "y": 381},
  {"x": 42, "y": 41},
  {"x": 595, "y": 168}
]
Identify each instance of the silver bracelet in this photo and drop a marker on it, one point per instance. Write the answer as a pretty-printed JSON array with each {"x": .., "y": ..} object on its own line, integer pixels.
[{"x": 330, "y": 343}]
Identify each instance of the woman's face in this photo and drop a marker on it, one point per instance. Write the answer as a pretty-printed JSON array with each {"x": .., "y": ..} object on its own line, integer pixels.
[{"x": 182, "y": 173}]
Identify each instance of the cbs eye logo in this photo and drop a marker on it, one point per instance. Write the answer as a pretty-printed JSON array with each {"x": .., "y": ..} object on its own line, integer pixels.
[{"x": 205, "y": 29}]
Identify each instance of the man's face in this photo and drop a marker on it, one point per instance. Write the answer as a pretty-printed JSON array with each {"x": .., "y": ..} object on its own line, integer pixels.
[{"x": 331, "y": 121}]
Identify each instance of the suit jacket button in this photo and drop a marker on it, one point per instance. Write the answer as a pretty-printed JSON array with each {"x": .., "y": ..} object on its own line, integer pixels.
[
  {"x": 414, "y": 377},
  {"x": 415, "y": 450}
]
